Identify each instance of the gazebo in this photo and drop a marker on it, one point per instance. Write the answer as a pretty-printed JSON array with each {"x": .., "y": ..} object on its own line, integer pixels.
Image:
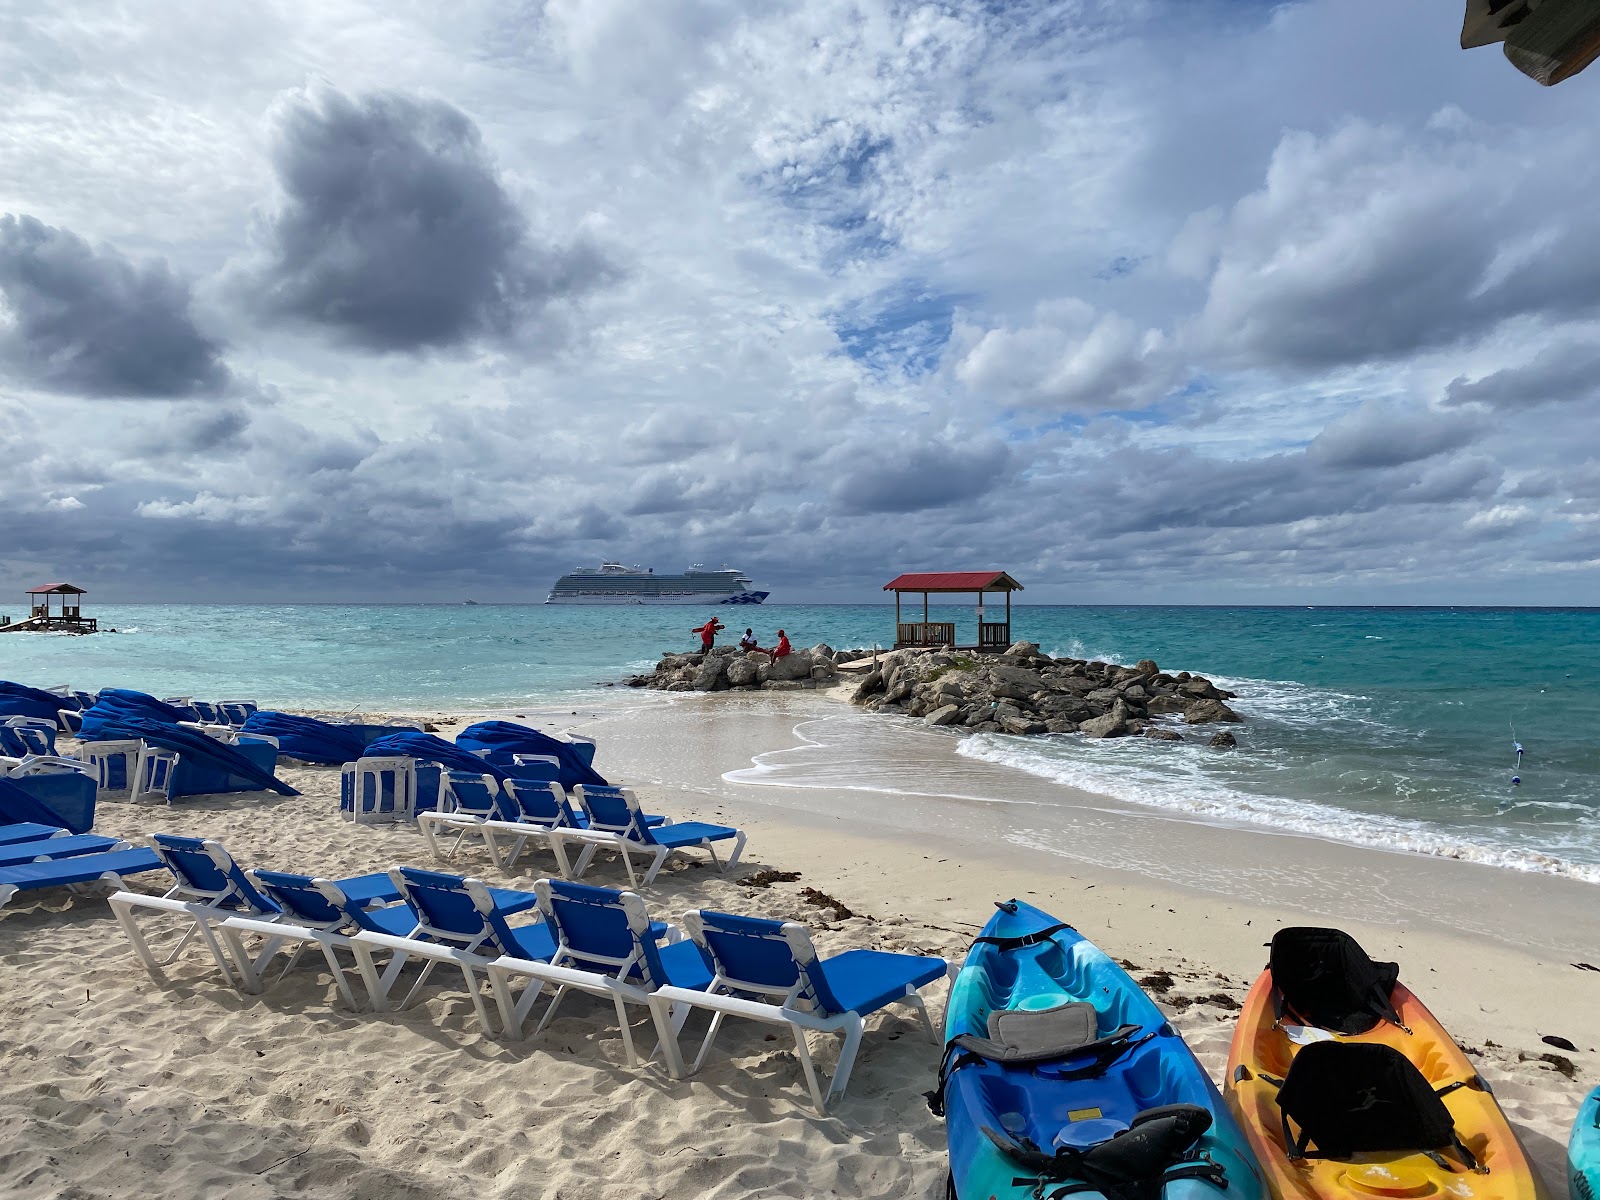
[
  {"x": 69, "y": 615},
  {"x": 993, "y": 636}
]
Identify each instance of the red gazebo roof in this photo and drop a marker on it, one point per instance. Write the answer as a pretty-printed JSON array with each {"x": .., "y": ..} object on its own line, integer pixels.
[
  {"x": 953, "y": 581},
  {"x": 61, "y": 588}
]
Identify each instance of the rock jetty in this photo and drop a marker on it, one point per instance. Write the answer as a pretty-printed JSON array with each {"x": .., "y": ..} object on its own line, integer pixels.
[
  {"x": 728, "y": 669},
  {"x": 1024, "y": 692},
  {"x": 1021, "y": 691}
]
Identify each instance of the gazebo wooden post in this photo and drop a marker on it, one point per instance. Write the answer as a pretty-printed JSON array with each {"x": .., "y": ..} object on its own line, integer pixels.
[{"x": 897, "y": 617}]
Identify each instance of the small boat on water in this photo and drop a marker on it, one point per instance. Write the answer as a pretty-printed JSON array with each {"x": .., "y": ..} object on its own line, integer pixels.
[{"x": 1062, "y": 1078}]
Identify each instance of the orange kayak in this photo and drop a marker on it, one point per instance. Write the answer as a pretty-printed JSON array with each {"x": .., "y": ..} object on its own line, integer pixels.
[{"x": 1395, "y": 1111}]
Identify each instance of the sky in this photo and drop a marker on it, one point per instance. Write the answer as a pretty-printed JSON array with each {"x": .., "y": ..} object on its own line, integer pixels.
[{"x": 1158, "y": 301}]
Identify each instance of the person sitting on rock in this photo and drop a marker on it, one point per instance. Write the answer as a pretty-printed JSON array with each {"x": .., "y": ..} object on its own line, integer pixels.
[
  {"x": 748, "y": 642},
  {"x": 781, "y": 650},
  {"x": 708, "y": 633}
]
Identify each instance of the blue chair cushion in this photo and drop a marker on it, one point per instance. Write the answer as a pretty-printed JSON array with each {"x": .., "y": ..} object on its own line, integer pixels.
[
  {"x": 532, "y": 942},
  {"x": 61, "y": 847},
  {"x": 685, "y": 966},
  {"x": 691, "y": 833},
  {"x": 84, "y": 869},
  {"x": 397, "y": 919},
  {"x": 369, "y": 889},
  {"x": 513, "y": 900},
  {"x": 27, "y": 831},
  {"x": 863, "y": 981}
]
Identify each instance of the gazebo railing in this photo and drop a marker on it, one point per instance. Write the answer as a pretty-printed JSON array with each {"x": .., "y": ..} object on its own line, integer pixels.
[
  {"x": 993, "y": 634},
  {"x": 925, "y": 633}
]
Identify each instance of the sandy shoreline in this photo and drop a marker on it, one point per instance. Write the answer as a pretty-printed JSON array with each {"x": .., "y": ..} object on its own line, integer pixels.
[{"x": 114, "y": 1085}]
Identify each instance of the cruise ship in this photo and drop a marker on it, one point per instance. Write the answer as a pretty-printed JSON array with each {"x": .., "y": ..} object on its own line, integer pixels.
[{"x": 613, "y": 583}]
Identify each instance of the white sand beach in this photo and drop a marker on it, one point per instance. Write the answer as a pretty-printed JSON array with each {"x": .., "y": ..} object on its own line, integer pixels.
[{"x": 114, "y": 1084}]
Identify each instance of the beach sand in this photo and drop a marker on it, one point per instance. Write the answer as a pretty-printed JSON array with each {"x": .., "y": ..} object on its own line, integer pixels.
[{"x": 113, "y": 1083}]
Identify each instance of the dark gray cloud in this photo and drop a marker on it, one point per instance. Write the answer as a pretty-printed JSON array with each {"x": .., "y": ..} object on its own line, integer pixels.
[
  {"x": 396, "y": 233},
  {"x": 898, "y": 478},
  {"x": 1558, "y": 374},
  {"x": 1386, "y": 434},
  {"x": 89, "y": 321}
]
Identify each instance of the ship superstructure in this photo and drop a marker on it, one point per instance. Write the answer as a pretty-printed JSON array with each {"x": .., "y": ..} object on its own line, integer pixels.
[{"x": 613, "y": 583}]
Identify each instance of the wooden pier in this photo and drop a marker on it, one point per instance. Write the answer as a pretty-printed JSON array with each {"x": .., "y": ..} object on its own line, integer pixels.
[{"x": 46, "y": 617}]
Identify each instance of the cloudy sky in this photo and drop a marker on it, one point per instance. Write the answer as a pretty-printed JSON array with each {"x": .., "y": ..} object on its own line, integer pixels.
[{"x": 1150, "y": 301}]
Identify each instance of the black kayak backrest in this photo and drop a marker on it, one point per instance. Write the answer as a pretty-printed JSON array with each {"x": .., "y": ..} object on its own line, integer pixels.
[
  {"x": 1357, "y": 1097},
  {"x": 1327, "y": 979}
]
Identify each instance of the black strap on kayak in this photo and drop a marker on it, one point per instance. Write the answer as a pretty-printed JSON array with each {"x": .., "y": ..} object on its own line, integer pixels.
[{"x": 1004, "y": 944}]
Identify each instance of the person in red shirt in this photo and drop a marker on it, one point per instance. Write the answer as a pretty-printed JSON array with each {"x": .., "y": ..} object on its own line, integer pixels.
[
  {"x": 708, "y": 633},
  {"x": 782, "y": 649}
]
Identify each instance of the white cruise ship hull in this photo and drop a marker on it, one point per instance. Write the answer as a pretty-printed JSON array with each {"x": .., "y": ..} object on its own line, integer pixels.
[{"x": 701, "y": 599}]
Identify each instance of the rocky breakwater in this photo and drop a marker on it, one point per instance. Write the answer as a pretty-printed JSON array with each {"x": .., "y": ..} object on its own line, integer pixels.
[
  {"x": 727, "y": 669},
  {"x": 1025, "y": 692}
]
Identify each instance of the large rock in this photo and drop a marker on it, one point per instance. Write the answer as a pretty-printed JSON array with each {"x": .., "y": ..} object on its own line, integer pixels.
[
  {"x": 945, "y": 715},
  {"x": 1113, "y": 724},
  {"x": 1204, "y": 712},
  {"x": 709, "y": 674},
  {"x": 1162, "y": 734},
  {"x": 791, "y": 666},
  {"x": 1023, "y": 726},
  {"x": 742, "y": 671},
  {"x": 1160, "y": 705},
  {"x": 822, "y": 650},
  {"x": 1225, "y": 741},
  {"x": 867, "y": 686},
  {"x": 1199, "y": 688},
  {"x": 1014, "y": 676},
  {"x": 1022, "y": 650},
  {"x": 1147, "y": 667}
]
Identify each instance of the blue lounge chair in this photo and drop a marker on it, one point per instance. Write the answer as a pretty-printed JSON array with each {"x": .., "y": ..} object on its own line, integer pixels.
[
  {"x": 461, "y": 922},
  {"x": 59, "y": 847},
  {"x": 606, "y": 946},
  {"x": 617, "y": 823},
  {"x": 315, "y": 912},
  {"x": 211, "y": 888},
  {"x": 76, "y": 872},
  {"x": 754, "y": 957},
  {"x": 28, "y": 831},
  {"x": 22, "y": 736}
]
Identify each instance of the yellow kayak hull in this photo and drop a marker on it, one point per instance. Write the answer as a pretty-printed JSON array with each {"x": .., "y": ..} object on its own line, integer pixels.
[{"x": 1260, "y": 1057}]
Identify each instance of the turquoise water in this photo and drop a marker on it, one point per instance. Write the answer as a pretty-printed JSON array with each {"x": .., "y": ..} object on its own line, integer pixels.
[{"x": 1389, "y": 727}]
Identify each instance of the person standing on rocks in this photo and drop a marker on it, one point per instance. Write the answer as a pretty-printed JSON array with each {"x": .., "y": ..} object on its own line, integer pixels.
[{"x": 708, "y": 633}]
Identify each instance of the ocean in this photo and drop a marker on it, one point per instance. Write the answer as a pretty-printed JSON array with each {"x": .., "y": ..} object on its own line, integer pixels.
[{"x": 1389, "y": 727}]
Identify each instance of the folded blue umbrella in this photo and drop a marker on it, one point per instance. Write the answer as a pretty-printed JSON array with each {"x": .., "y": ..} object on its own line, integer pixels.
[
  {"x": 309, "y": 739},
  {"x": 503, "y": 739},
  {"x": 196, "y": 750},
  {"x": 20, "y": 700},
  {"x": 120, "y": 704},
  {"x": 432, "y": 749},
  {"x": 19, "y": 807}
]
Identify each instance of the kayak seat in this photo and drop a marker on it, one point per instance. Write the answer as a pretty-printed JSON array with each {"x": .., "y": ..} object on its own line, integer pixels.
[
  {"x": 1327, "y": 979},
  {"x": 1045, "y": 1034},
  {"x": 1350, "y": 1098}
]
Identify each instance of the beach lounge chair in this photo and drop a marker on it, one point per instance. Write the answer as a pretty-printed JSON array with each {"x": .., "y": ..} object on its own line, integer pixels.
[
  {"x": 236, "y": 712},
  {"x": 617, "y": 823},
  {"x": 28, "y": 831},
  {"x": 23, "y": 736},
  {"x": 116, "y": 765},
  {"x": 62, "y": 845},
  {"x": 756, "y": 957},
  {"x": 460, "y": 922},
  {"x": 315, "y": 912},
  {"x": 154, "y": 775},
  {"x": 78, "y": 873},
  {"x": 607, "y": 947}
]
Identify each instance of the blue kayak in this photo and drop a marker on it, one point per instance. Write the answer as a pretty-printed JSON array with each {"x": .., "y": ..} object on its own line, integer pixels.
[
  {"x": 1062, "y": 1078},
  {"x": 1583, "y": 1152}
]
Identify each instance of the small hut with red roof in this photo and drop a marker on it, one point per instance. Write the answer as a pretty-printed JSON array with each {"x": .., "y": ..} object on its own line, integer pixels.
[
  {"x": 45, "y": 615},
  {"x": 993, "y": 636}
]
